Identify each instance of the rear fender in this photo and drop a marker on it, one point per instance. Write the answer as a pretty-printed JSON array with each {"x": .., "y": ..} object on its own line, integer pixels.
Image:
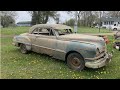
[{"x": 24, "y": 40}]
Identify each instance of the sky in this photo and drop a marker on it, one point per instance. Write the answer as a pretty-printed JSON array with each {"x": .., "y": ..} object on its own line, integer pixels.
[{"x": 25, "y": 16}]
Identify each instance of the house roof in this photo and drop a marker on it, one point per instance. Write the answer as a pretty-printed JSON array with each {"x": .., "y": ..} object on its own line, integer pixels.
[
  {"x": 24, "y": 22},
  {"x": 110, "y": 19}
]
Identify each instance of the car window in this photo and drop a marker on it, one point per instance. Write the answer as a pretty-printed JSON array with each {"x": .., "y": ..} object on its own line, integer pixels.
[
  {"x": 35, "y": 31},
  {"x": 43, "y": 31},
  {"x": 63, "y": 32}
]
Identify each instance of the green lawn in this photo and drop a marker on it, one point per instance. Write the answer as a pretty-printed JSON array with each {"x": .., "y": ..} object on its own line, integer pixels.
[
  {"x": 14, "y": 30},
  {"x": 92, "y": 30},
  {"x": 15, "y": 65}
]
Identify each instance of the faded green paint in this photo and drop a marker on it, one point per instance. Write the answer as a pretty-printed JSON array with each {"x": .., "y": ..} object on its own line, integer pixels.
[{"x": 85, "y": 49}]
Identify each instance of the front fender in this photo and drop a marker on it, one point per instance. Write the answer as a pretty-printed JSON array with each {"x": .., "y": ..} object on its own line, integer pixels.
[{"x": 85, "y": 49}]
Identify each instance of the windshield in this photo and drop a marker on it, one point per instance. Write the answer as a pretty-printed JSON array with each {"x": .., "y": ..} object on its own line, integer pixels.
[{"x": 63, "y": 32}]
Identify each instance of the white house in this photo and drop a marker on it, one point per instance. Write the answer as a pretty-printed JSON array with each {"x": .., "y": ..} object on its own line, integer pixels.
[{"x": 108, "y": 22}]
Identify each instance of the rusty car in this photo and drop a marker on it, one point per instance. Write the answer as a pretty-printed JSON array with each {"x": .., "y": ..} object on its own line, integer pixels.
[{"x": 59, "y": 41}]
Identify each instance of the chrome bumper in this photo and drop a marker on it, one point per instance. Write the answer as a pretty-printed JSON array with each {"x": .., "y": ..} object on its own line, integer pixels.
[{"x": 100, "y": 62}]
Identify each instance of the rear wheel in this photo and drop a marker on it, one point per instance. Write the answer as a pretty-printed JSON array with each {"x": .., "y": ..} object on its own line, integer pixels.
[
  {"x": 75, "y": 61},
  {"x": 23, "y": 48}
]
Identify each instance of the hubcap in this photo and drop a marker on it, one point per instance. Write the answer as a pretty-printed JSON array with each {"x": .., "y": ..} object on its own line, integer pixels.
[
  {"x": 75, "y": 61},
  {"x": 23, "y": 48}
]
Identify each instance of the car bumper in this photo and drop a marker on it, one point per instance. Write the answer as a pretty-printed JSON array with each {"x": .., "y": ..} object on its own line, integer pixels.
[{"x": 99, "y": 62}]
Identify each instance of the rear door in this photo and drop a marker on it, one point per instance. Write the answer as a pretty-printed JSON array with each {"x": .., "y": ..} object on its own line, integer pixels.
[{"x": 44, "y": 41}]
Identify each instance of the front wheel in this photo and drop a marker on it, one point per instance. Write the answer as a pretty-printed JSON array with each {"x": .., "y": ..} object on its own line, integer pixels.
[
  {"x": 23, "y": 48},
  {"x": 75, "y": 61}
]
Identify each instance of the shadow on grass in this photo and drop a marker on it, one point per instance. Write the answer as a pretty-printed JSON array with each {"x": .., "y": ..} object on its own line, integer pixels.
[{"x": 37, "y": 55}]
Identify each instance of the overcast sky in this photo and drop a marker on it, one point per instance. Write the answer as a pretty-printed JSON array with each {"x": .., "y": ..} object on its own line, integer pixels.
[{"x": 25, "y": 16}]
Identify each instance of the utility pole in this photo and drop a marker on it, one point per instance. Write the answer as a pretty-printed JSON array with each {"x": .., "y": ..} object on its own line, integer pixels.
[
  {"x": 75, "y": 24},
  {"x": 100, "y": 21}
]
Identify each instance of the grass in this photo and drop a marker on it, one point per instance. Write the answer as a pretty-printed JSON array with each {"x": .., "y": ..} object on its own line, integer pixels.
[
  {"x": 92, "y": 30},
  {"x": 14, "y": 30},
  {"x": 15, "y": 65}
]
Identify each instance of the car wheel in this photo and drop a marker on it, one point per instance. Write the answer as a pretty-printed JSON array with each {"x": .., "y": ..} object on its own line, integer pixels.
[
  {"x": 75, "y": 61},
  {"x": 115, "y": 29},
  {"x": 23, "y": 48}
]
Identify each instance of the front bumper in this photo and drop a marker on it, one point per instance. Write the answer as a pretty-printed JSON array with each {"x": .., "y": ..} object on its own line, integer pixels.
[{"x": 100, "y": 62}]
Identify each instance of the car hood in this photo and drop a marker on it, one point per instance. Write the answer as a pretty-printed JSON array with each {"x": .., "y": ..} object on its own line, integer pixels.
[
  {"x": 81, "y": 37},
  {"x": 89, "y": 39}
]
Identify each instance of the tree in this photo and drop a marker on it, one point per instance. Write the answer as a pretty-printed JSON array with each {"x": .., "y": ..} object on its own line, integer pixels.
[
  {"x": 42, "y": 17},
  {"x": 7, "y": 21},
  {"x": 7, "y": 18},
  {"x": 70, "y": 22},
  {"x": 114, "y": 13}
]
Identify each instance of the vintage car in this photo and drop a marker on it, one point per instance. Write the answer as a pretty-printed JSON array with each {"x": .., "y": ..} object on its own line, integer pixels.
[
  {"x": 58, "y": 41},
  {"x": 117, "y": 40}
]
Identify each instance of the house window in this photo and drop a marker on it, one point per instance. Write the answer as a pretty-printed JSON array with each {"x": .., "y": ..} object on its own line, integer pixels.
[
  {"x": 112, "y": 22},
  {"x": 104, "y": 23},
  {"x": 107, "y": 23}
]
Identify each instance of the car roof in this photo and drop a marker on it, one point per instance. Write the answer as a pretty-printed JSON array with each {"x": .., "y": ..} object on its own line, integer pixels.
[{"x": 53, "y": 26}]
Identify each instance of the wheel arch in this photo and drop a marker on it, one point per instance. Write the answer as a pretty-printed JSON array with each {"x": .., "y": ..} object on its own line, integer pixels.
[{"x": 72, "y": 52}]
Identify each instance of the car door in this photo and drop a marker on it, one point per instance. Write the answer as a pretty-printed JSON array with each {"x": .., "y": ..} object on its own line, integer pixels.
[{"x": 44, "y": 42}]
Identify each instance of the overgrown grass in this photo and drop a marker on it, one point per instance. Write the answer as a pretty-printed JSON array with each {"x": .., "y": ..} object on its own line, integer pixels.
[
  {"x": 14, "y": 64},
  {"x": 14, "y": 30}
]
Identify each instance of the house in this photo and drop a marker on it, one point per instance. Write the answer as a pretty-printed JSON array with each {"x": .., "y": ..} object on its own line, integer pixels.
[
  {"x": 24, "y": 23},
  {"x": 108, "y": 22}
]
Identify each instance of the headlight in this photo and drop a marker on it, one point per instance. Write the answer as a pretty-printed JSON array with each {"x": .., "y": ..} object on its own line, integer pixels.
[{"x": 97, "y": 52}]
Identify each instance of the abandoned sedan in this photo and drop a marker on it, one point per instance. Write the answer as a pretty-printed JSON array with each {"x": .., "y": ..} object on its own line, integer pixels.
[{"x": 60, "y": 42}]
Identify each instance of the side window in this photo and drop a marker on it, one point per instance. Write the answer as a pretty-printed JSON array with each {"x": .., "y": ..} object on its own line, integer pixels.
[
  {"x": 43, "y": 31},
  {"x": 35, "y": 31}
]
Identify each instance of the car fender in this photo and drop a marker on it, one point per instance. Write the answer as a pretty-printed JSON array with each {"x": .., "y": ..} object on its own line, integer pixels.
[
  {"x": 87, "y": 50},
  {"x": 23, "y": 40}
]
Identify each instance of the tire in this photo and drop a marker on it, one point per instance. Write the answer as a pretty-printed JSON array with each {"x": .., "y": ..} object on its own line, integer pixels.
[
  {"x": 75, "y": 62},
  {"x": 115, "y": 29},
  {"x": 23, "y": 49}
]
